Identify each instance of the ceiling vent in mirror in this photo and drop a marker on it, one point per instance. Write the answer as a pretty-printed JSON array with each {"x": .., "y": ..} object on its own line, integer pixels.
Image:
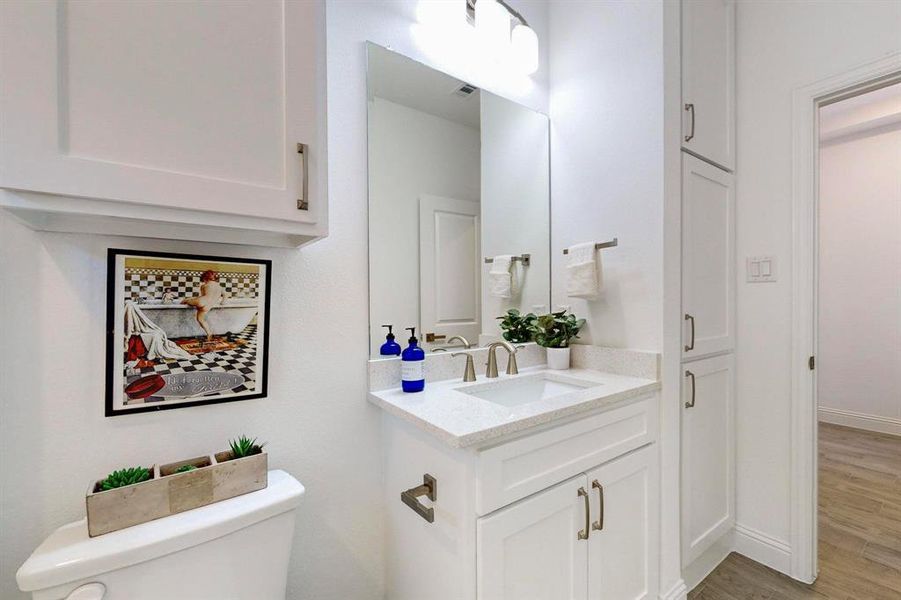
[{"x": 465, "y": 91}]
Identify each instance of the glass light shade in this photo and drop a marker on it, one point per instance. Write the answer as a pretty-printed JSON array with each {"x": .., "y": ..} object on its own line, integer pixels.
[
  {"x": 493, "y": 27},
  {"x": 524, "y": 46}
]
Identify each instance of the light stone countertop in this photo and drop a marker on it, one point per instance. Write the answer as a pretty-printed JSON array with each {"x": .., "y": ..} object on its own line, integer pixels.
[{"x": 462, "y": 420}]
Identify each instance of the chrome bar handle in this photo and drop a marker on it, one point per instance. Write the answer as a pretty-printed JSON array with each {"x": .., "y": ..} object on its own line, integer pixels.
[
  {"x": 303, "y": 203},
  {"x": 691, "y": 109},
  {"x": 691, "y": 402},
  {"x": 429, "y": 488},
  {"x": 599, "y": 524},
  {"x": 583, "y": 533},
  {"x": 691, "y": 346}
]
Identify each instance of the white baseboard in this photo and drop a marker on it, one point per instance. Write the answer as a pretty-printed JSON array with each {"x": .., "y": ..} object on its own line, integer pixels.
[
  {"x": 848, "y": 418},
  {"x": 703, "y": 565},
  {"x": 762, "y": 548},
  {"x": 677, "y": 592}
]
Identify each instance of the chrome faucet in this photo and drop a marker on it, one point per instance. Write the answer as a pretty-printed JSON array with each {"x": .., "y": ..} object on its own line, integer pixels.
[
  {"x": 460, "y": 338},
  {"x": 469, "y": 374},
  {"x": 492, "y": 359}
]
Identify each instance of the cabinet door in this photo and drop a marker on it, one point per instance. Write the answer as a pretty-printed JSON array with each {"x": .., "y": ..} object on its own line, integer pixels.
[
  {"x": 191, "y": 104},
  {"x": 708, "y": 454},
  {"x": 532, "y": 550},
  {"x": 708, "y": 79},
  {"x": 623, "y": 544},
  {"x": 708, "y": 258}
]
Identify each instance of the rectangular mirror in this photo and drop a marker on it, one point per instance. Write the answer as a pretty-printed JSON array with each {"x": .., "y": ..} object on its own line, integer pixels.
[{"x": 457, "y": 177}]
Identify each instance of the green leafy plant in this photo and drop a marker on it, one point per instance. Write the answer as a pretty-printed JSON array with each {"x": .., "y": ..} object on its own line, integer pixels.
[
  {"x": 123, "y": 477},
  {"x": 555, "y": 330},
  {"x": 185, "y": 468},
  {"x": 244, "y": 446},
  {"x": 517, "y": 327}
]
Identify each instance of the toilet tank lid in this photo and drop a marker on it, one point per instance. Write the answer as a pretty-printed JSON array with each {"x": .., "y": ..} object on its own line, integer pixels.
[{"x": 68, "y": 554}]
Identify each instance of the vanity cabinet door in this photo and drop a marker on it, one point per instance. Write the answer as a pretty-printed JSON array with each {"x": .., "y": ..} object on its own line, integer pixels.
[
  {"x": 708, "y": 79},
  {"x": 173, "y": 105},
  {"x": 533, "y": 549},
  {"x": 708, "y": 258},
  {"x": 708, "y": 454},
  {"x": 623, "y": 541}
]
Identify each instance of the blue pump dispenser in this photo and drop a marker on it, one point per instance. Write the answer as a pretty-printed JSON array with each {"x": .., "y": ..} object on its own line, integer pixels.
[
  {"x": 412, "y": 372},
  {"x": 390, "y": 347}
]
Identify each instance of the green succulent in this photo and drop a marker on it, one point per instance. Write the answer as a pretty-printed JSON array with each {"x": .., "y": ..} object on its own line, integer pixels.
[
  {"x": 185, "y": 468},
  {"x": 555, "y": 330},
  {"x": 123, "y": 477},
  {"x": 517, "y": 327},
  {"x": 244, "y": 446}
]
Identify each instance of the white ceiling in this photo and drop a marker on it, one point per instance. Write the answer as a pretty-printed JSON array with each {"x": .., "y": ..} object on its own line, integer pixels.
[{"x": 401, "y": 80}]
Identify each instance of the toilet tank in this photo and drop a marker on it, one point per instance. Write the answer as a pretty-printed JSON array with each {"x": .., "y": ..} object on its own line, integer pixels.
[{"x": 237, "y": 549}]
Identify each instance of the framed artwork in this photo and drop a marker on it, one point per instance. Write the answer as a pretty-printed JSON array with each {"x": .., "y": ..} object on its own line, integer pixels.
[{"x": 184, "y": 330}]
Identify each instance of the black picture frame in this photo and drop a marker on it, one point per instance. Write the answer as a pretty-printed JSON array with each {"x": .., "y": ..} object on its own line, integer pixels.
[{"x": 114, "y": 342}]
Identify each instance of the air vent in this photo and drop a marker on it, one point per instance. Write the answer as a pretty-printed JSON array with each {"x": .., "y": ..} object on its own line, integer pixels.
[{"x": 465, "y": 90}]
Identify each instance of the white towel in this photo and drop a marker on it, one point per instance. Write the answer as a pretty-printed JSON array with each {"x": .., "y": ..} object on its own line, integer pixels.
[
  {"x": 154, "y": 338},
  {"x": 584, "y": 275},
  {"x": 501, "y": 278}
]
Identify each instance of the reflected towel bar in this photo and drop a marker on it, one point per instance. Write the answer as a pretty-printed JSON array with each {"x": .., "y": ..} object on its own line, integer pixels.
[
  {"x": 599, "y": 245},
  {"x": 525, "y": 259}
]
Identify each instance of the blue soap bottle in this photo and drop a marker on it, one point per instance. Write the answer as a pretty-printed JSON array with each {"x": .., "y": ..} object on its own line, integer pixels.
[
  {"x": 413, "y": 360},
  {"x": 390, "y": 347}
]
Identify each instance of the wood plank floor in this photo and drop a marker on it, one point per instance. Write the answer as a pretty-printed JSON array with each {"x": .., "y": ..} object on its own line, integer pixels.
[{"x": 859, "y": 529}]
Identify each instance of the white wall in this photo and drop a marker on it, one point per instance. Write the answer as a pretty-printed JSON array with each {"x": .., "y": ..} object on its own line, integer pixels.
[
  {"x": 859, "y": 277},
  {"x": 316, "y": 420},
  {"x": 410, "y": 153},
  {"x": 515, "y": 208},
  {"x": 606, "y": 104},
  {"x": 781, "y": 46}
]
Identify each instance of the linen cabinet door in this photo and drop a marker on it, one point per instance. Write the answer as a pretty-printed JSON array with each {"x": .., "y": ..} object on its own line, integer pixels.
[
  {"x": 708, "y": 259},
  {"x": 708, "y": 79},
  {"x": 185, "y": 105},
  {"x": 708, "y": 454},
  {"x": 623, "y": 541},
  {"x": 537, "y": 548}
]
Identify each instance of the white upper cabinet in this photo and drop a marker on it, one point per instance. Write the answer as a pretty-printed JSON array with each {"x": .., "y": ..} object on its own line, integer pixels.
[
  {"x": 708, "y": 80},
  {"x": 708, "y": 259},
  {"x": 165, "y": 119}
]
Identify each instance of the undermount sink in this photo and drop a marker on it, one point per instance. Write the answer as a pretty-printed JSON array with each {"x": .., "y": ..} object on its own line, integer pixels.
[{"x": 528, "y": 388}]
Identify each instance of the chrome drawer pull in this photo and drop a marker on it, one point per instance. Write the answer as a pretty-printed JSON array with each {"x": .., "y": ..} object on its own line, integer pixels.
[
  {"x": 691, "y": 402},
  {"x": 303, "y": 203},
  {"x": 429, "y": 488},
  {"x": 583, "y": 533},
  {"x": 691, "y": 346},
  {"x": 599, "y": 524}
]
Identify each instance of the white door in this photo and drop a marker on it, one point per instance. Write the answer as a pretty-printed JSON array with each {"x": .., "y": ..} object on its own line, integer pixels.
[
  {"x": 623, "y": 546},
  {"x": 708, "y": 454},
  {"x": 536, "y": 549},
  {"x": 191, "y": 104},
  {"x": 449, "y": 274},
  {"x": 708, "y": 258},
  {"x": 708, "y": 79}
]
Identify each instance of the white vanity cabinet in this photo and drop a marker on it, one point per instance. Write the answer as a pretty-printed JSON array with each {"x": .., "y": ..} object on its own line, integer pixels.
[
  {"x": 189, "y": 120},
  {"x": 565, "y": 511},
  {"x": 708, "y": 80}
]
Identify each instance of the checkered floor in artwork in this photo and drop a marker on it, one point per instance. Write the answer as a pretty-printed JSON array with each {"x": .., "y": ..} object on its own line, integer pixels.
[{"x": 241, "y": 360}]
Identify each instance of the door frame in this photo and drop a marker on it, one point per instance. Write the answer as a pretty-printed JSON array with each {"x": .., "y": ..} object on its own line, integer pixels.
[{"x": 806, "y": 102}]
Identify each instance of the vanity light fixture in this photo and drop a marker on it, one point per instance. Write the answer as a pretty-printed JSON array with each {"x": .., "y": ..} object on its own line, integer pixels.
[{"x": 492, "y": 22}]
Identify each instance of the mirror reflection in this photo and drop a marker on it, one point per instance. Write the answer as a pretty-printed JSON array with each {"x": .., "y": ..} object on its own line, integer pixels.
[{"x": 459, "y": 207}]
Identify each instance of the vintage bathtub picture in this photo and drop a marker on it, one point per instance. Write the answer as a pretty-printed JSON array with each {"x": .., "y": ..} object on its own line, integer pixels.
[{"x": 184, "y": 330}]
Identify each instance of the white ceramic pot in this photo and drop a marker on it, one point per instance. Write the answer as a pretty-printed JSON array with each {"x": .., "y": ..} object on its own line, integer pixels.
[{"x": 558, "y": 358}]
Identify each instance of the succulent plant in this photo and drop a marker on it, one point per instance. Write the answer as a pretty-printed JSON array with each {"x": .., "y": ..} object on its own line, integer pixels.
[
  {"x": 244, "y": 446},
  {"x": 185, "y": 468},
  {"x": 123, "y": 477}
]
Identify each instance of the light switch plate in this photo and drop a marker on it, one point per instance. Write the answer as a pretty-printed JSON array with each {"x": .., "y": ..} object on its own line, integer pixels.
[{"x": 761, "y": 269}]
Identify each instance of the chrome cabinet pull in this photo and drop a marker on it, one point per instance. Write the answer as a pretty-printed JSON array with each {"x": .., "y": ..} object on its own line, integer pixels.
[
  {"x": 691, "y": 346},
  {"x": 691, "y": 110},
  {"x": 599, "y": 524},
  {"x": 429, "y": 488},
  {"x": 583, "y": 533},
  {"x": 303, "y": 203},
  {"x": 691, "y": 402}
]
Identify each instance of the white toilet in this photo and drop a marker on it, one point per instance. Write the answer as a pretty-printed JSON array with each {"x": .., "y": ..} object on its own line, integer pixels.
[{"x": 237, "y": 549}]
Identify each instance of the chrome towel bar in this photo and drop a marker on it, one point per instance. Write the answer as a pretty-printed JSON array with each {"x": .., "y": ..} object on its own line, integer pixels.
[
  {"x": 525, "y": 259},
  {"x": 599, "y": 245}
]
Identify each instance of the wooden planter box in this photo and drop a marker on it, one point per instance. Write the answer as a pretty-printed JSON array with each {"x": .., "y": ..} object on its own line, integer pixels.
[{"x": 217, "y": 477}]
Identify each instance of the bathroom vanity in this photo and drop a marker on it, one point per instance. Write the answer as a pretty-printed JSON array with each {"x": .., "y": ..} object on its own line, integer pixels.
[{"x": 538, "y": 485}]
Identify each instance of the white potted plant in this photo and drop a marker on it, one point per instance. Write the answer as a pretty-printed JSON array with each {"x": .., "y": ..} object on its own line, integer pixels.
[{"x": 554, "y": 332}]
